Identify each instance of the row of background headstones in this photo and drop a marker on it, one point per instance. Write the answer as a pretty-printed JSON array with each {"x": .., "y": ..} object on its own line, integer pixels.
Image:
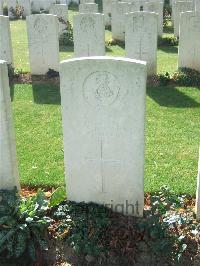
[{"x": 89, "y": 38}]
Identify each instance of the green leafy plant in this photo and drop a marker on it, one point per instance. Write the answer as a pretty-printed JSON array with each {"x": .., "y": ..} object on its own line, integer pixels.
[
  {"x": 186, "y": 77},
  {"x": 23, "y": 226},
  {"x": 164, "y": 79},
  {"x": 83, "y": 226},
  {"x": 17, "y": 12},
  {"x": 167, "y": 41},
  {"x": 67, "y": 36}
]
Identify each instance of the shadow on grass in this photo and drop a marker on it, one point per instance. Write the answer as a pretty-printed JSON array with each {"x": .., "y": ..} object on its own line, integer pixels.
[
  {"x": 46, "y": 94},
  {"x": 67, "y": 48},
  {"x": 12, "y": 90},
  {"x": 168, "y": 49},
  {"x": 171, "y": 97},
  {"x": 108, "y": 49}
]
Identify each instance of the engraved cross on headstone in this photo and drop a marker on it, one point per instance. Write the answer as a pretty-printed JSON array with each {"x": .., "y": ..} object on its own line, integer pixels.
[{"x": 102, "y": 162}]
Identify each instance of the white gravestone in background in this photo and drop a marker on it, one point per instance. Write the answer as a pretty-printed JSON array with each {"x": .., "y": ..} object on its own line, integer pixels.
[
  {"x": 197, "y": 5},
  {"x": 107, "y": 9},
  {"x": 88, "y": 8},
  {"x": 35, "y": 6},
  {"x": 156, "y": 7},
  {"x": 141, "y": 38},
  {"x": 89, "y": 35},
  {"x": 1, "y": 7},
  {"x": 103, "y": 113},
  {"x": 61, "y": 11},
  {"x": 43, "y": 43},
  {"x": 86, "y": 1},
  {"x": 179, "y": 7},
  {"x": 198, "y": 192},
  {"x": 5, "y": 41},
  {"x": 26, "y": 4},
  {"x": 119, "y": 9},
  {"x": 9, "y": 177},
  {"x": 189, "y": 41},
  {"x": 11, "y": 4},
  {"x": 46, "y": 4}
]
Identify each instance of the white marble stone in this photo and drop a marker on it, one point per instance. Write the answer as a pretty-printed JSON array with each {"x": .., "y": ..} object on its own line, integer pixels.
[
  {"x": 26, "y": 4},
  {"x": 11, "y": 4},
  {"x": 119, "y": 9},
  {"x": 141, "y": 38},
  {"x": 86, "y": 1},
  {"x": 197, "y": 207},
  {"x": 197, "y": 5},
  {"x": 9, "y": 176},
  {"x": 61, "y": 11},
  {"x": 43, "y": 43},
  {"x": 88, "y": 8},
  {"x": 1, "y": 7},
  {"x": 189, "y": 40},
  {"x": 103, "y": 113},
  {"x": 89, "y": 35},
  {"x": 178, "y": 8},
  {"x": 156, "y": 7},
  {"x": 5, "y": 41},
  {"x": 35, "y": 6},
  {"x": 46, "y": 4},
  {"x": 107, "y": 10}
]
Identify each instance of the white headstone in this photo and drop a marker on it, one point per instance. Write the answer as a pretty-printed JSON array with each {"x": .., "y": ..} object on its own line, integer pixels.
[
  {"x": 189, "y": 40},
  {"x": 9, "y": 177},
  {"x": 35, "y": 6},
  {"x": 11, "y": 4},
  {"x": 156, "y": 7},
  {"x": 119, "y": 9},
  {"x": 87, "y": 1},
  {"x": 107, "y": 10},
  {"x": 141, "y": 38},
  {"x": 103, "y": 113},
  {"x": 197, "y": 5},
  {"x": 89, "y": 35},
  {"x": 1, "y": 7},
  {"x": 61, "y": 11},
  {"x": 5, "y": 41},
  {"x": 43, "y": 43},
  {"x": 46, "y": 4},
  {"x": 179, "y": 7},
  {"x": 88, "y": 8},
  {"x": 26, "y": 4},
  {"x": 198, "y": 192}
]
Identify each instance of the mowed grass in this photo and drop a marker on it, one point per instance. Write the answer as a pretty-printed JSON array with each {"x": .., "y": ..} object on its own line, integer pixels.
[{"x": 172, "y": 125}]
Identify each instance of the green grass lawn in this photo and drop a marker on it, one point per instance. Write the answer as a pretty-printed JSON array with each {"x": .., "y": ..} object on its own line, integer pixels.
[{"x": 172, "y": 125}]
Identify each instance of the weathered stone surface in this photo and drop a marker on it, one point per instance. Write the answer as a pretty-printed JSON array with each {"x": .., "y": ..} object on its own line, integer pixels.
[
  {"x": 103, "y": 113},
  {"x": 88, "y": 8},
  {"x": 61, "y": 11},
  {"x": 9, "y": 177},
  {"x": 89, "y": 35},
  {"x": 178, "y": 8},
  {"x": 87, "y": 1},
  {"x": 43, "y": 43},
  {"x": 107, "y": 10},
  {"x": 141, "y": 38},
  {"x": 1, "y": 7},
  {"x": 11, "y": 4},
  {"x": 156, "y": 7},
  {"x": 5, "y": 41},
  {"x": 26, "y": 4},
  {"x": 189, "y": 40},
  {"x": 119, "y": 9}
]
